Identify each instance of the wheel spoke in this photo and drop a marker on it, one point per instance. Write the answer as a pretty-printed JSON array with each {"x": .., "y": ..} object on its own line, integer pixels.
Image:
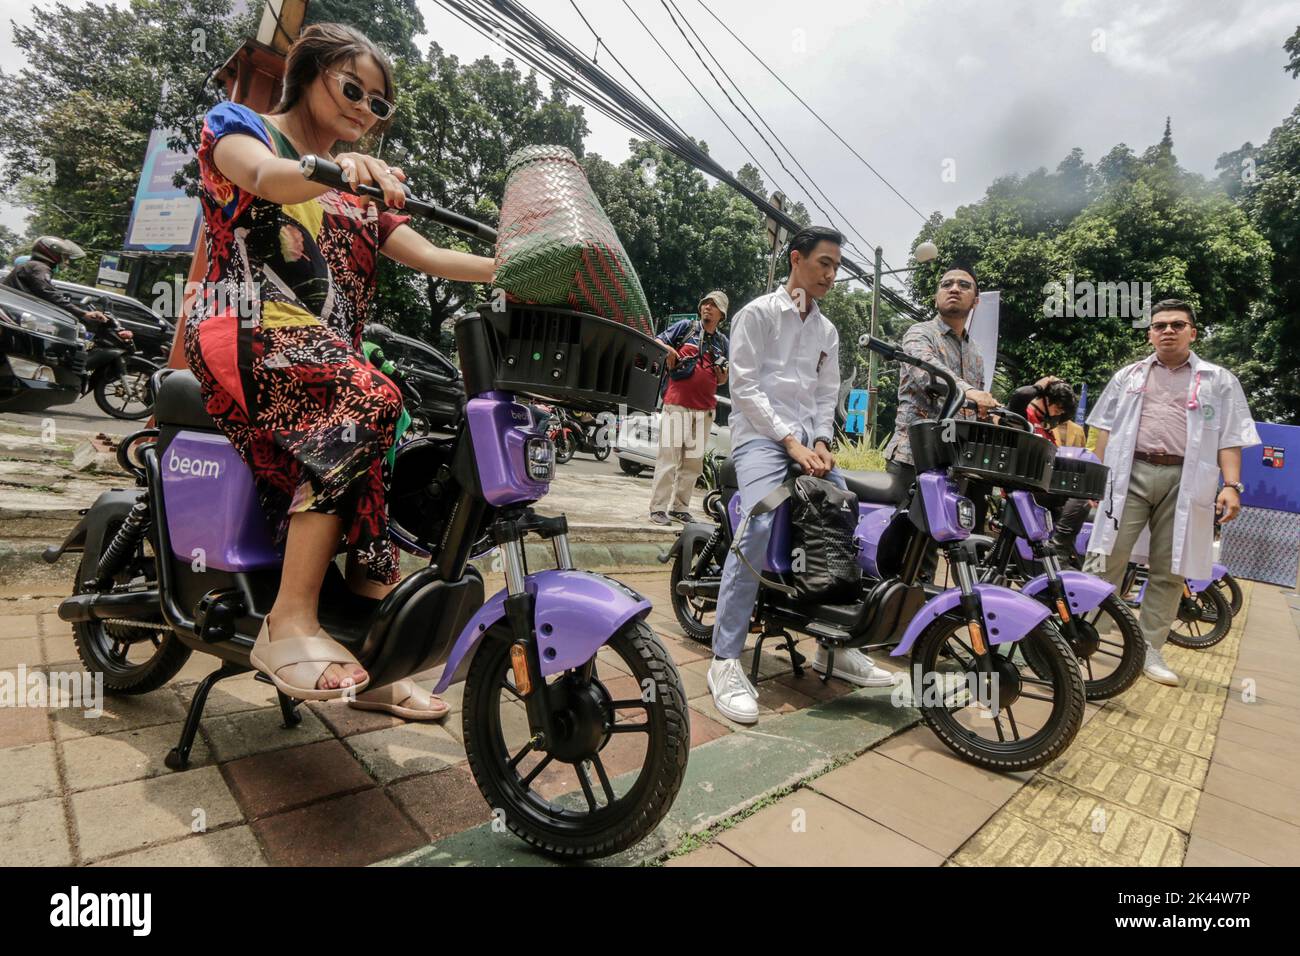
[
  {"x": 1011, "y": 719},
  {"x": 622, "y": 704},
  {"x": 532, "y": 774},
  {"x": 630, "y": 729},
  {"x": 604, "y": 779},
  {"x": 527, "y": 749},
  {"x": 581, "y": 768},
  {"x": 1025, "y": 693},
  {"x": 997, "y": 722},
  {"x": 1118, "y": 657}
]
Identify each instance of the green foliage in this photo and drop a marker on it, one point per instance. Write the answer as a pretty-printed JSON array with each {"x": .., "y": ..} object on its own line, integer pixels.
[
  {"x": 861, "y": 455},
  {"x": 1128, "y": 219}
]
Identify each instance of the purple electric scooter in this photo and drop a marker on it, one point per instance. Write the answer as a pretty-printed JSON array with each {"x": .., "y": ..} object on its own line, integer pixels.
[
  {"x": 581, "y": 755},
  {"x": 969, "y": 644}
]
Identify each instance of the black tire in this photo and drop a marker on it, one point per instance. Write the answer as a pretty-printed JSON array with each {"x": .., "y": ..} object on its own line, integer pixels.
[
  {"x": 602, "y": 451},
  {"x": 1204, "y": 620},
  {"x": 563, "y": 448},
  {"x": 106, "y": 648},
  {"x": 690, "y": 612},
  {"x": 131, "y": 391},
  {"x": 630, "y": 468},
  {"x": 554, "y": 827},
  {"x": 1231, "y": 590},
  {"x": 1111, "y": 661},
  {"x": 934, "y": 653}
]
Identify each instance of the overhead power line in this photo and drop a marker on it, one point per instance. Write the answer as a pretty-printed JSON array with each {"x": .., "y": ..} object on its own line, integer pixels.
[{"x": 529, "y": 38}]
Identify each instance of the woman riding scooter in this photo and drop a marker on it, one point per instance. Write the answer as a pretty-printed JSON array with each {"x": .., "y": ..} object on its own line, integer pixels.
[{"x": 308, "y": 414}]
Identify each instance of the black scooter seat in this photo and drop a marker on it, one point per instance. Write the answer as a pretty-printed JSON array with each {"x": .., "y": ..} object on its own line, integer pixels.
[
  {"x": 179, "y": 402},
  {"x": 872, "y": 487}
]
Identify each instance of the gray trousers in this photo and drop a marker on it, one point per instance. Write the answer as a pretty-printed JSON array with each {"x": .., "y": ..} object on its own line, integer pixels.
[
  {"x": 1152, "y": 501},
  {"x": 761, "y": 466}
]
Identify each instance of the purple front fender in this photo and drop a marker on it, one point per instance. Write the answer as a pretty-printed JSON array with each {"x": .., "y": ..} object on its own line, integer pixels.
[
  {"x": 1008, "y": 615},
  {"x": 575, "y": 613},
  {"x": 1083, "y": 592}
]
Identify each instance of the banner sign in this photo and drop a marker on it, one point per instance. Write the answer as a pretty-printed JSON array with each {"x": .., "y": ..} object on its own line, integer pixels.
[{"x": 163, "y": 218}]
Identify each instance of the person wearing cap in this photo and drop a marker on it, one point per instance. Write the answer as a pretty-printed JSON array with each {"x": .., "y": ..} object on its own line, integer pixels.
[{"x": 697, "y": 365}]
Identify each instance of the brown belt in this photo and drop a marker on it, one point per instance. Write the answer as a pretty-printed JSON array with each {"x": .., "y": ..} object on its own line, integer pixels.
[{"x": 1151, "y": 459}]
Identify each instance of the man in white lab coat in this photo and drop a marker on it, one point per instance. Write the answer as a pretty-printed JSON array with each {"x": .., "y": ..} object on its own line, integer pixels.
[{"x": 1168, "y": 426}]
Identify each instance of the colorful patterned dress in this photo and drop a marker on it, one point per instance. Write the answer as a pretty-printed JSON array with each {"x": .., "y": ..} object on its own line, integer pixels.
[{"x": 275, "y": 343}]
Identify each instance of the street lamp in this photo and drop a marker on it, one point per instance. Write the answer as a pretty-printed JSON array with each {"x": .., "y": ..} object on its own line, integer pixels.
[{"x": 925, "y": 252}]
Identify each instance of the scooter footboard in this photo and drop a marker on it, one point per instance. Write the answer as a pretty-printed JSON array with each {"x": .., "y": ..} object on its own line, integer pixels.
[
  {"x": 1083, "y": 592},
  {"x": 575, "y": 614},
  {"x": 1008, "y": 615}
]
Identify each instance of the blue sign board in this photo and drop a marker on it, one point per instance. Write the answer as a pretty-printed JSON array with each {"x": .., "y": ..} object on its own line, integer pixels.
[{"x": 855, "y": 421}]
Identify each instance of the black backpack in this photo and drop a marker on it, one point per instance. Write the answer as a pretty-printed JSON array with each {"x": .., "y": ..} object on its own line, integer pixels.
[{"x": 824, "y": 559}]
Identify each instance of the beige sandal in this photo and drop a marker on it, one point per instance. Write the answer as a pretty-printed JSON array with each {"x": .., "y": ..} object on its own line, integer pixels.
[
  {"x": 405, "y": 699},
  {"x": 295, "y": 664}
]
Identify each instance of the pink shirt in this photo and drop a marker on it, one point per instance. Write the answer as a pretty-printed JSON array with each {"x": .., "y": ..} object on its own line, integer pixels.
[{"x": 1163, "y": 428}]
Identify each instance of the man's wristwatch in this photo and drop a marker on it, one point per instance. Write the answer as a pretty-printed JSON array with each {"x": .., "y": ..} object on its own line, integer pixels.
[
  {"x": 822, "y": 439},
  {"x": 1235, "y": 485}
]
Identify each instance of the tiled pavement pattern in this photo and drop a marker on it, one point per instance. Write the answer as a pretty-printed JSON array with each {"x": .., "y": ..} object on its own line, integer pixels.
[
  {"x": 1201, "y": 775},
  {"x": 344, "y": 787},
  {"x": 1171, "y": 777}
]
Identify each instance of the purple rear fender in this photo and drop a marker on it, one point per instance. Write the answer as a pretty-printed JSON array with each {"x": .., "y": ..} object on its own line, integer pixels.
[
  {"x": 1008, "y": 615},
  {"x": 575, "y": 613},
  {"x": 1217, "y": 571},
  {"x": 1083, "y": 592}
]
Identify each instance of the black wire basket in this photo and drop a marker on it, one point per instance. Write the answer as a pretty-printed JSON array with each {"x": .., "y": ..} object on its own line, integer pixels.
[
  {"x": 561, "y": 357},
  {"x": 1006, "y": 457},
  {"x": 1077, "y": 478}
]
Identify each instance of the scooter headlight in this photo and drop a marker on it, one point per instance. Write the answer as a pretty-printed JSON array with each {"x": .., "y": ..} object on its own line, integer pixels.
[
  {"x": 540, "y": 453},
  {"x": 966, "y": 513}
]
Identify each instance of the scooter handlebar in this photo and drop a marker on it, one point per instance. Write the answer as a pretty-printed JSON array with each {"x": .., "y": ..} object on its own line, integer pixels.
[
  {"x": 328, "y": 173},
  {"x": 895, "y": 353}
]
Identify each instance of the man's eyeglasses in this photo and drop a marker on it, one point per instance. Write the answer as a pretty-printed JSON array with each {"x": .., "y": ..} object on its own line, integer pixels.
[
  {"x": 1176, "y": 326},
  {"x": 964, "y": 284},
  {"x": 352, "y": 91}
]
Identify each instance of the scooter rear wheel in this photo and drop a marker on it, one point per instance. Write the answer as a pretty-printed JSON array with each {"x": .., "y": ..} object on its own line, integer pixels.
[
  {"x": 1231, "y": 590},
  {"x": 135, "y": 657},
  {"x": 632, "y": 731},
  {"x": 695, "y": 615},
  {"x": 1050, "y": 708},
  {"x": 1110, "y": 649}
]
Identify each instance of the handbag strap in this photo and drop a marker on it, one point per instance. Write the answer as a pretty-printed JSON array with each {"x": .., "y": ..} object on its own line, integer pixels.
[{"x": 769, "y": 502}]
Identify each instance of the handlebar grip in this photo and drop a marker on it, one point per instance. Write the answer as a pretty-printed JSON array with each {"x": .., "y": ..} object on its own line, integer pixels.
[{"x": 867, "y": 341}]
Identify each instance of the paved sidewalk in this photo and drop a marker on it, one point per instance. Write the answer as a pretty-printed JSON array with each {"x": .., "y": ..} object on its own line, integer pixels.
[{"x": 1200, "y": 775}]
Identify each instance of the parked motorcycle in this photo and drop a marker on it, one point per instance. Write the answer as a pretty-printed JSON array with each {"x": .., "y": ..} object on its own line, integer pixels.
[
  {"x": 1101, "y": 629},
  {"x": 185, "y": 563},
  {"x": 578, "y": 432},
  {"x": 990, "y": 705}
]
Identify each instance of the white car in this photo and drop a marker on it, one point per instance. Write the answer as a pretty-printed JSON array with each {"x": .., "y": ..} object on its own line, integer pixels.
[{"x": 637, "y": 444}]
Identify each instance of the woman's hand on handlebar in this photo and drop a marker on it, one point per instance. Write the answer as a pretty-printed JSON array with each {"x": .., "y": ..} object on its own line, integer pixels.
[{"x": 362, "y": 170}]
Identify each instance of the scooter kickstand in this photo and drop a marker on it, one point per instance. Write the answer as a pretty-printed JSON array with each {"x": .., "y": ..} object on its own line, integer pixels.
[
  {"x": 178, "y": 758},
  {"x": 796, "y": 659}
]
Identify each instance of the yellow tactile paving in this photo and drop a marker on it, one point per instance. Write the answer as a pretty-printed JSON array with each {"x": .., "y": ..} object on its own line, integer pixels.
[{"x": 1126, "y": 792}]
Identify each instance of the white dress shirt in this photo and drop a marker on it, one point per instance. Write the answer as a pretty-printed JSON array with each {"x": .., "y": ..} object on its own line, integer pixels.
[{"x": 785, "y": 372}]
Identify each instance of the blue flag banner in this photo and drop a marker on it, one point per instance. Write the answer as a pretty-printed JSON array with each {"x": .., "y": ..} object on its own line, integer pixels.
[
  {"x": 1082, "y": 414},
  {"x": 855, "y": 422}
]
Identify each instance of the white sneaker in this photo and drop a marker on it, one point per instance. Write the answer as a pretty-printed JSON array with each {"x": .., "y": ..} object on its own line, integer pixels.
[
  {"x": 1157, "y": 670},
  {"x": 733, "y": 694},
  {"x": 855, "y": 667}
]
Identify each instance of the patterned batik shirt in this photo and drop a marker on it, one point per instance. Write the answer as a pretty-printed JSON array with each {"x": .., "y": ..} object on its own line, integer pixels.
[{"x": 935, "y": 342}]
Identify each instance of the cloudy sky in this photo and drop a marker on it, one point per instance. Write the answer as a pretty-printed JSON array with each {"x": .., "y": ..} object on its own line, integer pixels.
[{"x": 973, "y": 88}]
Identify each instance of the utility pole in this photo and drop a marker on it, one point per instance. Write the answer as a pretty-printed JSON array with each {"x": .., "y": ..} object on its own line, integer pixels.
[
  {"x": 777, "y": 235},
  {"x": 873, "y": 368}
]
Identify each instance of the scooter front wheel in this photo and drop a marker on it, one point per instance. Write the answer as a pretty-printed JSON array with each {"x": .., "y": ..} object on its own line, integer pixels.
[
  {"x": 1204, "y": 619},
  {"x": 622, "y": 734},
  {"x": 1107, "y": 643},
  {"x": 1008, "y": 718}
]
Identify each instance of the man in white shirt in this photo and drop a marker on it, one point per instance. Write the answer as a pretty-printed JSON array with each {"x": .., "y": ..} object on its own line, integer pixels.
[
  {"x": 785, "y": 380},
  {"x": 1167, "y": 427}
]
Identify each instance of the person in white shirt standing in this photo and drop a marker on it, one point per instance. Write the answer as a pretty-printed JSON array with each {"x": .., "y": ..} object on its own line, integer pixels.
[
  {"x": 785, "y": 380},
  {"x": 1168, "y": 425}
]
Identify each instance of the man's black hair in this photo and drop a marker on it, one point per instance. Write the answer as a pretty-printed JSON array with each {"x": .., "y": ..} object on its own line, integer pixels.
[
  {"x": 963, "y": 267},
  {"x": 1175, "y": 305},
  {"x": 1060, "y": 393},
  {"x": 806, "y": 239}
]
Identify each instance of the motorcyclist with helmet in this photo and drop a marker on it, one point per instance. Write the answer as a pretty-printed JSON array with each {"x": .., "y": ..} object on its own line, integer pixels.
[{"x": 34, "y": 277}]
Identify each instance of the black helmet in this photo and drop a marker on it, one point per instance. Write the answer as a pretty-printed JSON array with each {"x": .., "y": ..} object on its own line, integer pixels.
[{"x": 55, "y": 250}]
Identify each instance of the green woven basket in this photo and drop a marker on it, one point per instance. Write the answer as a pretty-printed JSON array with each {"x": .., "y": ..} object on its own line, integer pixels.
[{"x": 556, "y": 246}]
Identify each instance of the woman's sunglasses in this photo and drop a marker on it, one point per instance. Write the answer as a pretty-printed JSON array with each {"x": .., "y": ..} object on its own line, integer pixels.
[{"x": 352, "y": 91}]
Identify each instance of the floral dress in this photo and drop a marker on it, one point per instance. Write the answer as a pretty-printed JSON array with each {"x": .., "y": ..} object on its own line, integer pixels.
[{"x": 275, "y": 342}]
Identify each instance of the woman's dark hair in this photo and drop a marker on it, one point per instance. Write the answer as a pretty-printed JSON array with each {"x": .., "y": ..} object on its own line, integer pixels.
[
  {"x": 1175, "y": 305},
  {"x": 320, "y": 47},
  {"x": 806, "y": 239},
  {"x": 1060, "y": 393}
]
